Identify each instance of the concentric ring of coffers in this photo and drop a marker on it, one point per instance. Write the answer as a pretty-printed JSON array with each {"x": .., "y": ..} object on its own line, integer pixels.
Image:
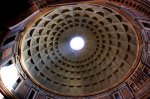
[{"x": 108, "y": 54}]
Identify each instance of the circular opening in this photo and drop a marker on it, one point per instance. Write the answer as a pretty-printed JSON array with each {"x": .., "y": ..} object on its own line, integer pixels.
[{"x": 77, "y": 43}]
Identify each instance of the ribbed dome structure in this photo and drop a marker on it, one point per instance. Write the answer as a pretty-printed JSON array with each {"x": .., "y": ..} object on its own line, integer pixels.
[{"x": 107, "y": 57}]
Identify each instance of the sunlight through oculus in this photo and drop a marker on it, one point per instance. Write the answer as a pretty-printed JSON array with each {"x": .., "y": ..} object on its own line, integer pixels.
[
  {"x": 77, "y": 43},
  {"x": 9, "y": 76}
]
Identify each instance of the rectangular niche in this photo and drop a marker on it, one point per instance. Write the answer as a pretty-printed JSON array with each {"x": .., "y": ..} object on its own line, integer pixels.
[
  {"x": 17, "y": 83},
  {"x": 146, "y": 71},
  {"x": 117, "y": 96},
  {"x": 146, "y": 24},
  {"x": 9, "y": 40},
  {"x": 32, "y": 94},
  {"x": 126, "y": 93}
]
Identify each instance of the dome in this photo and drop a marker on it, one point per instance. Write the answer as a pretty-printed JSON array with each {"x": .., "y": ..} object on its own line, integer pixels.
[
  {"x": 109, "y": 52},
  {"x": 78, "y": 49}
]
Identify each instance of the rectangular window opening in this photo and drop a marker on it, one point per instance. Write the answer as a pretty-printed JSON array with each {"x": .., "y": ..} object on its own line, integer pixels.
[
  {"x": 117, "y": 96},
  {"x": 17, "y": 83},
  {"x": 10, "y": 62},
  {"x": 8, "y": 40},
  {"x": 147, "y": 25},
  {"x": 32, "y": 93},
  {"x": 146, "y": 71}
]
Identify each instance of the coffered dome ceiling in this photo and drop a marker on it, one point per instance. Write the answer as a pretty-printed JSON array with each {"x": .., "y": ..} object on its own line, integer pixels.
[{"x": 107, "y": 57}]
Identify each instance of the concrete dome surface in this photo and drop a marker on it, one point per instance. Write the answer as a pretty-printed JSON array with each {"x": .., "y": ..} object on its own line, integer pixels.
[{"x": 109, "y": 52}]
